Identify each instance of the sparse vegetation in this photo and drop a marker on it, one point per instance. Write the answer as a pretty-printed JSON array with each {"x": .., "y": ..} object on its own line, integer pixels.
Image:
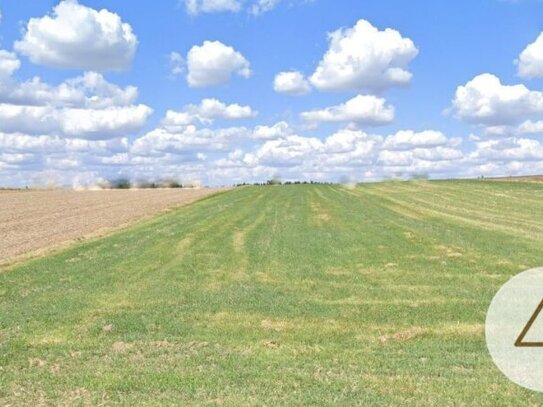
[{"x": 306, "y": 295}]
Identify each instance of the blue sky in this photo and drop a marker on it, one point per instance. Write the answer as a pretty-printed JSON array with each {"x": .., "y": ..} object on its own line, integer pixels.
[{"x": 460, "y": 107}]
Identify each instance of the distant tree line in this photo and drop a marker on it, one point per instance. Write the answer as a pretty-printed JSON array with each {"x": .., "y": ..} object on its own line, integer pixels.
[
  {"x": 278, "y": 182},
  {"x": 125, "y": 183}
]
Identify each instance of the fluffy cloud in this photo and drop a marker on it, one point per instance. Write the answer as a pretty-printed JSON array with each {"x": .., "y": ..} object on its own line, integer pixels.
[
  {"x": 79, "y": 37},
  {"x": 263, "y": 6},
  {"x": 19, "y": 143},
  {"x": 408, "y": 139},
  {"x": 87, "y": 106},
  {"x": 207, "y": 112},
  {"x": 52, "y": 160},
  {"x": 195, "y": 7},
  {"x": 507, "y": 150},
  {"x": 176, "y": 64},
  {"x": 485, "y": 101},
  {"x": 256, "y": 7},
  {"x": 288, "y": 151},
  {"x": 179, "y": 138},
  {"x": 90, "y": 90},
  {"x": 187, "y": 140},
  {"x": 95, "y": 124},
  {"x": 348, "y": 153},
  {"x": 531, "y": 127},
  {"x": 427, "y": 152},
  {"x": 352, "y": 153},
  {"x": 291, "y": 83},
  {"x": 9, "y": 63},
  {"x": 505, "y": 156},
  {"x": 177, "y": 142},
  {"x": 530, "y": 61},
  {"x": 428, "y": 155},
  {"x": 364, "y": 58},
  {"x": 277, "y": 131},
  {"x": 214, "y": 63},
  {"x": 105, "y": 123},
  {"x": 211, "y": 109},
  {"x": 216, "y": 156},
  {"x": 363, "y": 110}
]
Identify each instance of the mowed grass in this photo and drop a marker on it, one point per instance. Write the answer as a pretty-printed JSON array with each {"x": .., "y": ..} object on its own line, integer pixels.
[{"x": 290, "y": 295}]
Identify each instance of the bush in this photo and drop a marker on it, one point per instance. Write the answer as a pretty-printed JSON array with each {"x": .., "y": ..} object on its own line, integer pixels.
[
  {"x": 170, "y": 183},
  {"x": 121, "y": 183}
]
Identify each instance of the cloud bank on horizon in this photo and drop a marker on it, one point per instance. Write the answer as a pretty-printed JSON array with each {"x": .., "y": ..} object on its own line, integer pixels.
[{"x": 338, "y": 117}]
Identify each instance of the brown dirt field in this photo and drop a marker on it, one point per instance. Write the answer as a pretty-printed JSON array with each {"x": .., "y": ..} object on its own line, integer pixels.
[{"x": 35, "y": 222}]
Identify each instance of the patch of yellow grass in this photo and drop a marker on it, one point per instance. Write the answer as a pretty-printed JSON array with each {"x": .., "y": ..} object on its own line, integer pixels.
[
  {"x": 403, "y": 335},
  {"x": 319, "y": 212},
  {"x": 275, "y": 325},
  {"x": 338, "y": 271},
  {"x": 449, "y": 251},
  {"x": 239, "y": 241}
]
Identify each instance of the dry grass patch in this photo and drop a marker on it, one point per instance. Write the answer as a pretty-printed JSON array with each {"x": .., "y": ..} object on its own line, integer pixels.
[
  {"x": 403, "y": 335},
  {"x": 338, "y": 271},
  {"x": 276, "y": 325},
  {"x": 449, "y": 251},
  {"x": 409, "y": 235},
  {"x": 320, "y": 213},
  {"x": 121, "y": 346},
  {"x": 462, "y": 329},
  {"x": 239, "y": 241}
]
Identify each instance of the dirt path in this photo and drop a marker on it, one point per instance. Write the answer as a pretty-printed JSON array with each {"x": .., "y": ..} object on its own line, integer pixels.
[{"x": 35, "y": 221}]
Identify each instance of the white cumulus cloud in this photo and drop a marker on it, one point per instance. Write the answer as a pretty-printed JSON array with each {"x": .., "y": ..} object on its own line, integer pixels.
[
  {"x": 507, "y": 150},
  {"x": 90, "y": 90},
  {"x": 213, "y": 63},
  {"x": 187, "y": 140},
  {"x": 195, "y": 7},
  {"x": 408, "y": 139},
  {"x": 95, "y": 124},
  {"x": 9, "y": 63},
  {"x": 485, "y": 100},
  {"x": 291, "y": 83},
  {"x": 207, "y": 112},
  {"x": 353, "y": 154},
  {"x": 86, "y": 107},
  {"x": 364, "y": 58},
  {"x": 103, "y": 123},
  {"x": 531, "y": 127},
  {"x": 366, "y": 110},
  {"x": 254, "y": 7},
  {"x": 211, "y": 109},
  {"x": 277, "y": 131},
  {"x": 530, "y": 60},
  {"x": 74, "y": 36}
]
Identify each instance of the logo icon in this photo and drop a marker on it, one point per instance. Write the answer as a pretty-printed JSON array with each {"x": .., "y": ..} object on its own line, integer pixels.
[
  {"x": 520, "y": 342},
  {"x": 514, "y": 329}
]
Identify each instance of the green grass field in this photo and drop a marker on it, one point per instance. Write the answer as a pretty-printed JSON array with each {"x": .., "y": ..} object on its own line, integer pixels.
[{"x": 281, "y": 295}]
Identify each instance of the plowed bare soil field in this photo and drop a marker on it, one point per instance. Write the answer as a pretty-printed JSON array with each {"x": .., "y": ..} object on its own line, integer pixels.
[{"x": 35, "y": 221}]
